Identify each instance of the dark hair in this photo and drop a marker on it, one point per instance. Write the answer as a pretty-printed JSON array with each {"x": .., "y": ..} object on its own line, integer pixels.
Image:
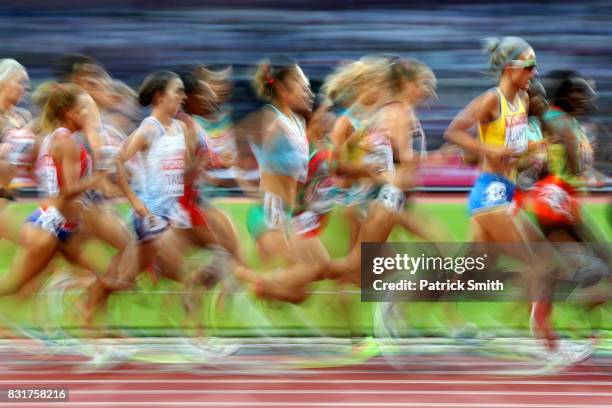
[
  {"x": 562, "y": 82},
  {"x": 156, "y": 82},
  {"x": 69, "y": 64},
  {"x": 271, "y": 71},
  {"x": 189, "y": 76},
  {"x": 536, "y": 89}
]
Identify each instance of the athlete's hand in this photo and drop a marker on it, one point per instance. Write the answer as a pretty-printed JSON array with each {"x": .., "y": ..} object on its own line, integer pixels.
[
  {"x": 141, "y": 209},
  {"x": 498, "y": 154},
  {"x": 227, "y": 158}
]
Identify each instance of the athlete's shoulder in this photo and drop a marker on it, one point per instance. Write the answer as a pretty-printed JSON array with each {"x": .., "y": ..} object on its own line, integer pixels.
[
  {"x": 150, "y": 127},
  {"x": 484, "y": 107}
]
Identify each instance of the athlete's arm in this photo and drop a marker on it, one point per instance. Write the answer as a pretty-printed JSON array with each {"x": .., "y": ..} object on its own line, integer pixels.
[
  {"x": 136, "y": 142},
  {"x": 341, "y": 131},
  {"x": 68, "y": 153},
  {"x": 399, "y": 125},
  {"x": 571, "y": 148},
  {"x": 562, "y": 133},
  {"x": 93, "y": 128},
  {"x": 344, "y": 134},
  {"x": 482, "y": 109}
]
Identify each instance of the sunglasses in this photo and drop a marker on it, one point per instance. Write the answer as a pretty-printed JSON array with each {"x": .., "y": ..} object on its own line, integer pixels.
[{"x": 524, "y": 64}]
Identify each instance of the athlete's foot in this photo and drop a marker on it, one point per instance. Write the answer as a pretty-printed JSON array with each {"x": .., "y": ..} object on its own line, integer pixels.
[
  {"x": 192, "y": 296},
  {"x": 216, "y": 271},
  {"x": 245, "y": 274},
  {"x": 541, "y": 325},
  {"x": 97, "y": 295},
  {"x": 569, "y": 353}
]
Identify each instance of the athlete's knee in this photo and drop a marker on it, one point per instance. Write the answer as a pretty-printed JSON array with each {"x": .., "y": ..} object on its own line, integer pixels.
[
  {"x": 11, "y": 286},
  {"x": 298, "y": 297}
]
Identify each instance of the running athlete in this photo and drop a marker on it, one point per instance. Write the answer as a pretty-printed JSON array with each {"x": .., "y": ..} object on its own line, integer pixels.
[
  {"x": 377, "y": 148},
  {"x": 198, "y": 97},
  {"x": 319, "y": 194},
  {"x": 384, "y": 137},
  {"x": 407, "y": 84},
  {"x": 282, "y": 153},
  {"x": 500, "y": 115},
  {"x": 216, "y": 120},
  {"x": 63, "y": 168},
  {"x": 168, "y": 148},
  {"x": 555, "y": 196},
  {"x": 14, "y": 123},
  {"x": 355, "y": 89},
  {"x": 103, "y": 140},
  {"x": 531, "y": 165},
  {"x": 16, "y": 138}
]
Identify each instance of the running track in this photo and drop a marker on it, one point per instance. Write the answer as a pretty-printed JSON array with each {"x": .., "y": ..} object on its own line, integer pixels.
[{"x": 435, "y": 382}]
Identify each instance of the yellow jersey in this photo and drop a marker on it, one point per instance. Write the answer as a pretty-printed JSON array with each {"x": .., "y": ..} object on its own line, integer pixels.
[{"x": 509, "y": 129}]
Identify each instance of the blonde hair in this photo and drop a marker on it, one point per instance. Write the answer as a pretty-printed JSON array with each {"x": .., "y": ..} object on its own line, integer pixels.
[
  {"x": 399, "y": 71},
  {"x": 343, "y": 85},
  {"x": 8, "y": 67},
  {"x": 42, "y": 93},
  {"x": 124, "y": 90},
  {"x": 503, "y": 50},
  {"x": 61, "y": 98}
]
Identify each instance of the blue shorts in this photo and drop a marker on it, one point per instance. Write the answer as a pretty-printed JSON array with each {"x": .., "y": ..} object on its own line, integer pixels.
[
  {"x": 490, "y": 190},
  {"x": 52, "y": 221}
]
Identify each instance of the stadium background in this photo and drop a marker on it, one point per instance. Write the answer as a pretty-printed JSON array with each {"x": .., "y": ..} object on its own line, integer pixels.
[{"x": 134, "y": 38}]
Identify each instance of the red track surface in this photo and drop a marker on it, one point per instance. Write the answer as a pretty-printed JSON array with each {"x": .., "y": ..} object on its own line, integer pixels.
[{"x": 470, "y": 383}]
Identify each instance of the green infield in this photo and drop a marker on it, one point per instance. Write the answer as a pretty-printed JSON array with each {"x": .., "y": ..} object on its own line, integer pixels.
[{"x": 154, "y": 309}]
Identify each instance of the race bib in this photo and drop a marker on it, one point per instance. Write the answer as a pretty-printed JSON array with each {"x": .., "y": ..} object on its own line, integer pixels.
[
  {"x": 557, "y": 199},
  {"x": 381, "y": 155},
  {"x": 21, "y": 143},
  {"x": 107, "y": 157},
  {"x": 392, "y": 198},
  {"x": 495, "y": 193},
  {"x": 51, "y": 181},
  {"x": 516, "y": 133},
  {"x": 51, "y": 220},
  {"x": 173, "y": 169},
  {"x": 273, "y": 211}
]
